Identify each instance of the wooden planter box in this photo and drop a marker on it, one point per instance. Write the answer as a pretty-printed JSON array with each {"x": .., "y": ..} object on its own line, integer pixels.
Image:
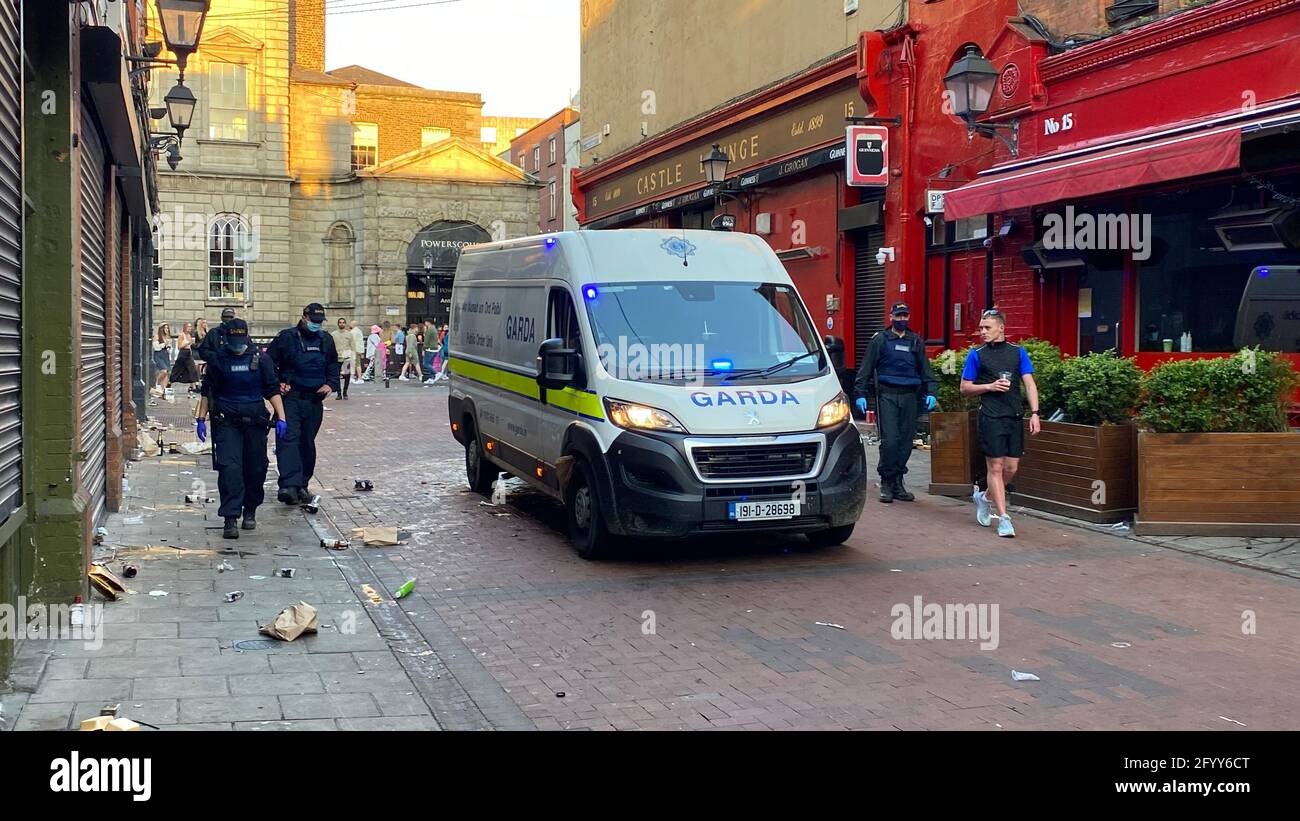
[
  {"x": 1218, "y": 484},
  {"x": 1086, "y": 472},
  {"x": 955, "y": 459}
]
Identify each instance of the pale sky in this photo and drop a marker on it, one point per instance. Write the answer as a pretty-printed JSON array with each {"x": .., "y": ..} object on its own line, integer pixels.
[{"x": 522, "y": 56}]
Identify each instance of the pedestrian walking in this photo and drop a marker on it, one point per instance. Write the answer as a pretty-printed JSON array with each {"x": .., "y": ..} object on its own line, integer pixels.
[
  {"x": 200, "y": 334},
  {"x": 237, "y": 383},
  {"x": 897, "y": 372},
  {"x": 162, "y": 365},
  {"x": 995, "y": 372},
  {"x": 399, "y": 351},
  {"x": 343, "y": 344},
  {"x": 414, "y": 341},
  {"x": 430, "y": 348},
  {"x": 376, "y": 355},
  {"x": 307, "y": 365},
  {"x": 184, "y": 369},
  {"x": 444, "y": 353},
  {"x": 358, "y": 349}
]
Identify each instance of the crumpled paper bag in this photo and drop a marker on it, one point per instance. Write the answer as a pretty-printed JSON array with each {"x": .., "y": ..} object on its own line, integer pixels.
[
  {"x": 292, "y": 622},
  {"x": 376, "y": 536}
]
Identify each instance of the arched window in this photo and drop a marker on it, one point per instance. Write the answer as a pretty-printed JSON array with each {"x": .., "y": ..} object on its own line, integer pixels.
[
  {"x": 340, "y": 263},
  {"x": 230, "y": 248}
]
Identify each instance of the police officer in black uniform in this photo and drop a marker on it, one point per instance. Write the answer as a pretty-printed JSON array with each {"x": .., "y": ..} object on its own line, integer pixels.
[
  {"x": 897, "y": 371},
  {"x": 236, "y": 382},
  {"x": 308, "y": 366},
  {"x": 215, "y": 340}
]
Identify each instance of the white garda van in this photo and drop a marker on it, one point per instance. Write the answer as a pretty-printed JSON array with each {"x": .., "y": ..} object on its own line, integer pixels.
[{"x": 659, "y": 383}]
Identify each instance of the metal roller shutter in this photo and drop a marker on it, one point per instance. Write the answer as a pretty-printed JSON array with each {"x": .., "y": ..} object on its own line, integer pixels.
[
  {"x": 91, "y": 425},
  {"x": 868, "y": 290},
  {"x": 115, "y": 295},
  {"x": 11, "y": 433}
]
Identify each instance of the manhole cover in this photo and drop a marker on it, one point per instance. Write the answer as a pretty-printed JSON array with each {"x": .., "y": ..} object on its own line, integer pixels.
[{"x": 255, "y": 644}]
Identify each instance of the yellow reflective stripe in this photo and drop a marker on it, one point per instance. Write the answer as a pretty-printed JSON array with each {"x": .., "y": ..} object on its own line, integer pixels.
[
  {"x": 506, "y": 380},
  {"x": 588, "y": 404}
]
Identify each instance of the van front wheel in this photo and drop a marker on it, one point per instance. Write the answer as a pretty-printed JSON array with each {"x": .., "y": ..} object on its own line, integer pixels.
[
  {"x": 478, "y": 471},
  {"x": 831, "y": 536},
  {"x": 586, "y": 519}
]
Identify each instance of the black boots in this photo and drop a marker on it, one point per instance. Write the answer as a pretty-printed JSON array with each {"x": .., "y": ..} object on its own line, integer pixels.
[
  {"x": 250, "y": 520},
  {"x": 886, "y": 490},
  {"x": 231, "y": 530},
  {"x": 900, "y": 491},
  {"x": 288, "y": 496}
]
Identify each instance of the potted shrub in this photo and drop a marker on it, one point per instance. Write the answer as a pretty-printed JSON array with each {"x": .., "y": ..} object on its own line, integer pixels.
[
  {"x": 1085, "y": 466},
  {"x": 955, "y": 463},
  {"x": 1214, "y": 454}
]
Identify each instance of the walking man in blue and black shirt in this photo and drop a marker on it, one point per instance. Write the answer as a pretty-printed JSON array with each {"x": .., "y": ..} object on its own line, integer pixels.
[
  {"x": 994, "y": 372},
  {"x": 897, "y": 371}
]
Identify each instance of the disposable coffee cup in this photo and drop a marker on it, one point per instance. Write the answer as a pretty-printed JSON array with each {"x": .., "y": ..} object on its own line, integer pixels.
[{"x": 1169, "y": 345}]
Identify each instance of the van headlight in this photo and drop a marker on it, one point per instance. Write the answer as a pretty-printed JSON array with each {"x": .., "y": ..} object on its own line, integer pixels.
[
  {"x": 834, "y": 412},
  {"x": 632, "y": 416}
]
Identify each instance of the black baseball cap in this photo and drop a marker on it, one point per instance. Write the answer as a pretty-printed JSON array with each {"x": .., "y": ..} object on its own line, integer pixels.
[
  {"x": 315, "y": 312},
  {"x": 227, "y": 313},
  {"x": 899, "y": 308},
  {"x": 238, "y": 328}
]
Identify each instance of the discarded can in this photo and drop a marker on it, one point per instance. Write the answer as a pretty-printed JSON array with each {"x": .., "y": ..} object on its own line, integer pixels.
[
  {"x": 234, "y": 595},
  {"x": 335, "y": 544},
  {"x": 364, "y": 484},
  {"x": 405, "y": 589},
  {"x": 191, "y": 499},
  {"x": 313, "y": 506},
  {"x": 129, "y": 570},
  {"x": 286, "y": 572}
]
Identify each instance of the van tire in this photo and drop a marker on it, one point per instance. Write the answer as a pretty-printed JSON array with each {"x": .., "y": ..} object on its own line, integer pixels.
[
  {"x": 586, "y": 520},
  {"x": 479, "y": 472},
  {"x": 831, "y": 536}
]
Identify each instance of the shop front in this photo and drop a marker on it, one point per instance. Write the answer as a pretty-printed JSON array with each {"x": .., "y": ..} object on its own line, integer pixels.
[
  {"x": 784, "y": 182},
  {"x": 1154, "y": 207},
  {"x": 431, "y": 259}
]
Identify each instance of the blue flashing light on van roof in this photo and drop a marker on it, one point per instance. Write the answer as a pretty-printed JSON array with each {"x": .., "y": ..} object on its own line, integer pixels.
[
  {"x": 589, "y": 292},
  {"x": 722, "y": 364},
  {"x": 550, "y": 242},
  {"x": 1263, "y": 273}
]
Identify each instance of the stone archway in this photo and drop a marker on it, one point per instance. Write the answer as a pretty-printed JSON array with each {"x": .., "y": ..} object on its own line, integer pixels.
[{"x": 431, "y": 258}]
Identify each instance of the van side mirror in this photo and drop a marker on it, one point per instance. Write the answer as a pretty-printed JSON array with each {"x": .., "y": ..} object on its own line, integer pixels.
[{"x": 557, "y": 366}]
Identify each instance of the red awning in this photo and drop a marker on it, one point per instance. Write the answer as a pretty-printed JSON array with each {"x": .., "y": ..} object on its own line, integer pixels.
[{"x": 1103, "y": 172}]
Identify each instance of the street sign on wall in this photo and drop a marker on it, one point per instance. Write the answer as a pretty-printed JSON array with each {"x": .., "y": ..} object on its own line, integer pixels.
[{"x": 868, "y": 156}]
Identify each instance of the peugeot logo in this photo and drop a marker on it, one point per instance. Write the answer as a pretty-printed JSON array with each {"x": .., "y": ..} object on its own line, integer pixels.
[{"x": 751, "y": 418}]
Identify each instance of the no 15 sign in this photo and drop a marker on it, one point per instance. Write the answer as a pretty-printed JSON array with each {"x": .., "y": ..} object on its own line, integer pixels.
[{"x": 867, "y": 155}]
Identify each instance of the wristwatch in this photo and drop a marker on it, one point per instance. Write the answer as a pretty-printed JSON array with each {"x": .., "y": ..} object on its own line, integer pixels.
[{"x": 1033, "y": 413}]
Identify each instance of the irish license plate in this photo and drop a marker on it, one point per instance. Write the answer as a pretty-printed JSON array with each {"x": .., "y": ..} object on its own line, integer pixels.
[{"x": 753, "y": 511}]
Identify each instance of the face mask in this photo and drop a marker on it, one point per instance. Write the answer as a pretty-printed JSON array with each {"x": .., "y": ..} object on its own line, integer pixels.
[
  {"x": 237, "y": 348},
  {"x": 313, "y": 326},
  {"x": 900, "y": 324}
]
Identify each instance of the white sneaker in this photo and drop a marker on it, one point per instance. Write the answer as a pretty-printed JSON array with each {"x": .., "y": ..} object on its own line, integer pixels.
[
  {"x": 403, "y": 379},
  {"x": 1005, "y": 528},
  {"x": 982, "y": 507}
]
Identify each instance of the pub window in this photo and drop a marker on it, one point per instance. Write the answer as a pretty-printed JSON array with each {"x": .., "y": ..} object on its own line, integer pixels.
[
  {"x": 229, "y": 243},
  {"x": 537, "y": 158},
  {"x": 487, "y": 134},
  {"x": 365, "y": 145},
  {"x": 552, "y": 162},
  {"x": 432, "y": 134},
  {"x": 552, "y": 195},
  {"x": 228, "y": 102},
  {"x": 971, "y": 228}
]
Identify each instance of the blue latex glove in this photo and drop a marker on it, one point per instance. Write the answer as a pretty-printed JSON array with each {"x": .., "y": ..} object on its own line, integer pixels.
[
  {"x": 861, "y": 406},
  {"x": 930, "y": 402},
  {"x": 281, "y": 428},
  {"x": 201, "y": 428}
]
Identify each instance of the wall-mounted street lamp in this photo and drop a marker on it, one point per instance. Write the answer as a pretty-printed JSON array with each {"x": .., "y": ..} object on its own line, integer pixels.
[
  {"x": 182, "y": 25},
  {"x": 715, "y": 173},
  {"x": 180, "y": 102},
  {"x": 970, "y": 83}
]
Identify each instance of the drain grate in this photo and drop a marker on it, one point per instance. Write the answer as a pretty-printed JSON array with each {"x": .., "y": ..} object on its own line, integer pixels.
[{"x": 255, "y": 644}]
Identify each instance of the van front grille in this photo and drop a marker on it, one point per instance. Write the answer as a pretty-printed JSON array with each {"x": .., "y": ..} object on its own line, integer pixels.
[{"x": 756, "y": 461}]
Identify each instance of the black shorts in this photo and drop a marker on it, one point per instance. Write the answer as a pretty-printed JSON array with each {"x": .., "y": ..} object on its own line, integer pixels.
[{"x": 1002, "y": 436}]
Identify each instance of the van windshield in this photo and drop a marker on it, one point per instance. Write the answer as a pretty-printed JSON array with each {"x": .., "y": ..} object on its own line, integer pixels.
[{"x": 669, "y": 330}]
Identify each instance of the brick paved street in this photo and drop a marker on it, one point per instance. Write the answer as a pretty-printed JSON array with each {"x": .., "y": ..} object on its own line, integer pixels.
[{"x": 1122, "y": 634}]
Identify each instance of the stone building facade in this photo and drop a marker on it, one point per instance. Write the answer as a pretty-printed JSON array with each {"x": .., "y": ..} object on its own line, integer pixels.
[{"x": 270, "y": 208}]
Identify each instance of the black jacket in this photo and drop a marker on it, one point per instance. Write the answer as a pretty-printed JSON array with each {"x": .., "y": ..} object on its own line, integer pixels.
[
  {"x": 866, "y": 383},
  {"x": 285, "y": 348}
]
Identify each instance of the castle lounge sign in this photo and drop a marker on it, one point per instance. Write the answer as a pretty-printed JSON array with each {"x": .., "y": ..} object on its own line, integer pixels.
[{"x": 750, "y": 145}]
